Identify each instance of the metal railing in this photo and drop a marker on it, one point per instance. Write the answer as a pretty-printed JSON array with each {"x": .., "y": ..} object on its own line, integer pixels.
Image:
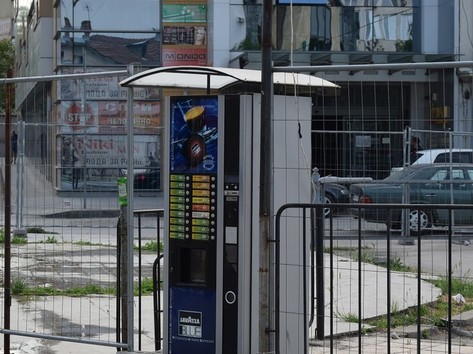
[
  {"x": 157, "y": 282},
  {"x": 321, "y": 241}
]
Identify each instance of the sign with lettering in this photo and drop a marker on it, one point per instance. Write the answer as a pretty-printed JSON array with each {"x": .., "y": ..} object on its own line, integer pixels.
[
  {"x": 176, "y": 56},
  {"x": 108, "y": 117},
  {"x": 107, "y": 151},
  {"x": 77, "y": 117}
]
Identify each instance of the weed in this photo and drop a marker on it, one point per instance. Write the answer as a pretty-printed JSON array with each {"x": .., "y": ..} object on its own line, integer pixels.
[
  {"x": 349, "y": 317},
  {"x": 459, "y": 286},
  {"x": 21, "y": 288},
  {"x": 19, "y": 240},
  {"x": 88, "y": 243},
  {"x": 16, "y": 240},
  {"x": 146, "y": 287},
  {"x": 151, "y": 246},
  {"x": 51, "y": 239},
  {"x": 18, "y": 286}
]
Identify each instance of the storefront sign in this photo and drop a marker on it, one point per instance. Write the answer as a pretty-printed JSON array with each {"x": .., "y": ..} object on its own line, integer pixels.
[
  {"x": 174, "y": 56},
  {"x": 184, "y": 13},
  {"x": 108, "y": 116}
]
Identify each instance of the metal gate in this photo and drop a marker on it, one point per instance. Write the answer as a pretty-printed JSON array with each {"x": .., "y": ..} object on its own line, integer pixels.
[{"x": 370, "y": 291}]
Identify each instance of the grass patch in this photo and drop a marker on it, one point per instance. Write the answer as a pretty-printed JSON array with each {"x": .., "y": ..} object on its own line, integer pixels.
[
  {"x": 146, "y": 287},
  {"x": 153, "y": 246},
  {"x": 88, "y": 243},
  {"x": 20, "y": 287},
  {"x": 15, "y": 240},
  {"x": 349, "y": 317},
  {"x": 344, "y": 250},
  {"x": 434, "y": 313},
  {"x": 459, "y": 286},
  {"x": 50, "y": 239},
  {"x": 19, "y": 240}
]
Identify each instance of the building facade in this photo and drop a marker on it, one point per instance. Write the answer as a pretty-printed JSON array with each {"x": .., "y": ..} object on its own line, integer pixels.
[{"x": 82, "y": 121}]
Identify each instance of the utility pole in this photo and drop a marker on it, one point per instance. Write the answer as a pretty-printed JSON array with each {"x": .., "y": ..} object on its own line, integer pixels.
[{"x": 266, "y": 184}]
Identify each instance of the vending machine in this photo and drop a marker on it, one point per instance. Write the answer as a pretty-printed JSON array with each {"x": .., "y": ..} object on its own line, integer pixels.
[{"x": 211, "y": 174}]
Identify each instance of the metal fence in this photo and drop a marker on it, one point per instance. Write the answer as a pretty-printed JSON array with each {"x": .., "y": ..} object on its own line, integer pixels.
[
  {"x": 372, "y": 289},
  {"x": 65, "y": 265},
  {"x": 65, "y": 246},
  {"x": 65, "y": 275}
]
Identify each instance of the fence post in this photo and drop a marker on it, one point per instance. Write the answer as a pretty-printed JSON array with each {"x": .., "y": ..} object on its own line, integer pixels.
[
  {"x": 123, "y": 261},
  {"x": 318, "y": 246}
]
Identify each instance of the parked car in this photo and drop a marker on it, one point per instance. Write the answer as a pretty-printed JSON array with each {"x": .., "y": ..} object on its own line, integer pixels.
[
  {"x": 445, "y": 155},
  {"x": 335, "y": 193},
  {"x": 420, "y": 184},
  {"x": 149, "y": 179}
]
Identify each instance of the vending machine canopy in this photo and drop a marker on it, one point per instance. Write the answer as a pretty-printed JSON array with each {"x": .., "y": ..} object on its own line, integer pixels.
[{"x": 213, "y": 78}]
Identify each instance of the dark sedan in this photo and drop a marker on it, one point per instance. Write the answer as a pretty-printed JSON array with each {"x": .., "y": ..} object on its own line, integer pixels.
[
  {"x": 149, "y": 179},
  {"x": 418, "y": 184},
  {"x": 335, "y": 193}
]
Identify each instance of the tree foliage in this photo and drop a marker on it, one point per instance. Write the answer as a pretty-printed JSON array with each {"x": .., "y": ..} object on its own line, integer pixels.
[{"x": 7, "y": 60}]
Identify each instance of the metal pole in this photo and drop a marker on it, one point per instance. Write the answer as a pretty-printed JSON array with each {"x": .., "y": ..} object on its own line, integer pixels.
[
  {"x": 84, "y": 152},
  {"x": 266, "y": 186},
  {"x": 20, "y": 180},
  {"x": 7, "y": 270},
  {"x": 130, "y": 156},
  {"x": 318, "y": 245}
]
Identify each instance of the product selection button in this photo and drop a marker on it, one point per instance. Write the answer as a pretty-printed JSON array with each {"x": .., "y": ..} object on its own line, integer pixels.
[
  {"x": 177, "y": 184},
  {"x": 176, "y": 213},
  {"x": 176, "y": 235},
  {"x": 177, "y": 200},
  {"x": 200, "y": 185},
  {"x": 178, "y": 192},
  {"x": 177, "y": 177},
  {"x": 174, "y": 206},
  {"x": 201, "y": 222},
  {"x": 200, "y": 200},
  {"x": 200, "y": 237},
  {"x": 176, "y": 228},
  {"x": 200, "y": 215},
  {"x": 200, "y": 229},
  {"x": 200, "y": 193},
  {"x": 176, "y": 221},
  {"x": 200, "y": 207},
  {"x": 201, "y": 178}
]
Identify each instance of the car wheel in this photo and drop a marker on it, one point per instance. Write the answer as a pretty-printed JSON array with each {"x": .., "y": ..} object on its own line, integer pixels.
[
  {"x": 414, "y": 216},
  {"x": 328, "y": 200}
]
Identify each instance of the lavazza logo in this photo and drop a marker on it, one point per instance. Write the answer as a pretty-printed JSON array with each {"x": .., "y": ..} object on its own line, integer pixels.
[{"x": 190, "y": 324}]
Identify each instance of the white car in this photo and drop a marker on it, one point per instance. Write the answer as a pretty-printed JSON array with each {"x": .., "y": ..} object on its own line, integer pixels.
[{"x": 445, "y": 155}]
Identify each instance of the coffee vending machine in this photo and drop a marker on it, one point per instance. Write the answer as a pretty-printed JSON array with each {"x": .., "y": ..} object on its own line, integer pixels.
[{"x": 211, "y": 174}]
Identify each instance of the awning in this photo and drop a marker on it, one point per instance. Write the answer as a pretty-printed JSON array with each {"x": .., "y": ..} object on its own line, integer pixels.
[{"x": 212, "y": 78}]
